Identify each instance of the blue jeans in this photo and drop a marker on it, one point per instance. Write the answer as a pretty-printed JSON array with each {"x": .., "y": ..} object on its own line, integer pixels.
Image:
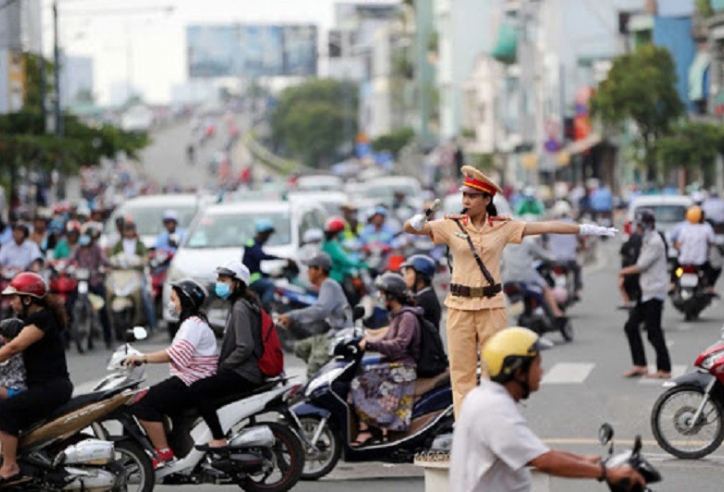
[
  {"x": 148, "y": 303},
  {"x": 264, "y": 288}
]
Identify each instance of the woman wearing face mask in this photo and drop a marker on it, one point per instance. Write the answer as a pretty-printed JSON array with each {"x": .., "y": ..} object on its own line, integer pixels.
[
  {"x": 192, "y": 355},
  {"x": 241, "y": 348},
  {"x": 383, "y": 394}
]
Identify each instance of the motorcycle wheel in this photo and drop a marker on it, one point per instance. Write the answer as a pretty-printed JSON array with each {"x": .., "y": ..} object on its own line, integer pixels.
[
  {"x": 567, "y": 331},
  {"x": 319, "y": 462},
  {"x": 81, "y": 324},
  {"x": 140, "y": 476},
  {"x": 670, "y": 419},
  {"x": 288, "y": 459}
]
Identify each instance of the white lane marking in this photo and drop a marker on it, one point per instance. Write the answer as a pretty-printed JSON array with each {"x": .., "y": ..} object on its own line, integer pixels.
[
  {"x": 567, "y": 373},
  {"x": 676, "y": 371}
]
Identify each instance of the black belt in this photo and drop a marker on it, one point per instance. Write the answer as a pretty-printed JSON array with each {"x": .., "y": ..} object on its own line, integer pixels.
[{"x": 465, "y": 291}]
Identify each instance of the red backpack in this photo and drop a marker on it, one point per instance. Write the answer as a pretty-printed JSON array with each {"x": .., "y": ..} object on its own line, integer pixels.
[{"x": 271, "y": 361}]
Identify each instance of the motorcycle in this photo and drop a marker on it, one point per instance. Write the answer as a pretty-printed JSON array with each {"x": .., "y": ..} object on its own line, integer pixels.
[
  {"x": 689, "y": 295},
  {"x": 159, "y": 261},
  {"x": 633, "y": 458},
  {"x": 62, "y": 283},
  {"x": 261, "y": 455},
  {"x": 536, "y": 313},
  {"x": 325, "y": 415},
  {"x": 124, "y": 288},
  {"x": 688, "y": 418},
  {"x": 54, "y": 454},
  {"x": 560, "y": 278},
  {"x": 86, "y": 321}
]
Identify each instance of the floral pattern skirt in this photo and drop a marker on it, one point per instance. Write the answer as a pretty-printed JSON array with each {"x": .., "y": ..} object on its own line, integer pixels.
[{"x": 383, "y": 395}]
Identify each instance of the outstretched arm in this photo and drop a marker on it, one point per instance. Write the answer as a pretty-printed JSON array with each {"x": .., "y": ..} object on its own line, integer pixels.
[{"x": 535, "y": 228}]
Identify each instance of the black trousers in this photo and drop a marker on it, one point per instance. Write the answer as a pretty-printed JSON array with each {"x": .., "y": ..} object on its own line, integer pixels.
[
  {"x": 649, "y": 313},
  {"x": 169, "y": 397},
  {"x": 204, "y": 393},
  {"x": 35, "y": 403}
]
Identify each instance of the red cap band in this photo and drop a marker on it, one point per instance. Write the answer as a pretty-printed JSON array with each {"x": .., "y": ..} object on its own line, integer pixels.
[{"x": 479, "y": 185}]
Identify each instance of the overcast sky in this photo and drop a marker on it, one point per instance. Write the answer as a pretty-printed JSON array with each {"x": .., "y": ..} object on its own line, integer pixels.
[{"x": 154, "y": 42}]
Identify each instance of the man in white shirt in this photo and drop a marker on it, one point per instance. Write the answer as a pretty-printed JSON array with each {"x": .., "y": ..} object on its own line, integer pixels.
[
  {"x": 494, "y": 453},
  {"x": 21, "y": 253},
  {"x": 694, "y": 241}
]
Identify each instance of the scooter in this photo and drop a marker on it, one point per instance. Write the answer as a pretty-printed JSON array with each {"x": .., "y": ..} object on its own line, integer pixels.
[
  {"x": 261, "y": 455},
  {"x": 689, "y": 295},
  {"x": 633, "y": 458},
  {"x": 159, "y": 261},
  {"x": 688, "y": 418},
  {"x": 536, "y": 313},
  {"x": 326, "y": 418},
  {"x": 560, "y": 279},
  {"x": 124, "y": 288},
  {"x": 86, "y": 320}
]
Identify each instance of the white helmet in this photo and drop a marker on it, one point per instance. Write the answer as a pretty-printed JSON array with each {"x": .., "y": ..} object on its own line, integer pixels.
[
  {"x": 235, "y": 269},
  {"x": 561, "y": 208}
]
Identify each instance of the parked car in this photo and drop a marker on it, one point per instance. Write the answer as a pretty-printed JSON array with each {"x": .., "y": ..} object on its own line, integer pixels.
[
  {"x": 218, "y": 235},
  {"x": 669, "y": 211},
  {"x": 147, "y": 212}
]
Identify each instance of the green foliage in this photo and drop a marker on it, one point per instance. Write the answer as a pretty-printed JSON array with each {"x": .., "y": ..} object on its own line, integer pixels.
[
  {"x": 691, "y": 145},
  {"x": 704, "y": 8},
  {"x": 310, "y": 119},
  {"x": 32, "y": 97},
  {"x": 641, "y": 87},
  {"x": 394, "y": 141}
]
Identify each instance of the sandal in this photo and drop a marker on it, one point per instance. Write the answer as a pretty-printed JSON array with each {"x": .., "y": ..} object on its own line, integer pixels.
[
  {"x": 659, "y": 375},
  {"x": 13, "y": 480},
  {"x": 635, "y": 373},
  {"x": 363, "y": 438}
]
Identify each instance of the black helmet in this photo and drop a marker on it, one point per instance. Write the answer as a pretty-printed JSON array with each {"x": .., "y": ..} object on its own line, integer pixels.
[
  {"x": 392, "y": 283},
  {"x": 192, "y": 291},
  {"x": 11, "y": 327},
  {"x": 645, "y": 216}
]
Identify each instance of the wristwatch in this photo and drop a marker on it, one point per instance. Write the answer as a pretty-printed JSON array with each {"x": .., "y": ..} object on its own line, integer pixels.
[
  {"x": 603, "y": 476},
  {"x": 145, "y": 359}
]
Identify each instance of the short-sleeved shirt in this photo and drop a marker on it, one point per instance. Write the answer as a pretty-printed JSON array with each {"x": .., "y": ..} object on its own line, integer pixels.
[
  {"x": 694, "y": 242},
  {"x": 45, "y": 359},
  {"x": 193, "y": 351},
  {"x": 492, "y": 453},
  {"x": 489, "y": 242}
]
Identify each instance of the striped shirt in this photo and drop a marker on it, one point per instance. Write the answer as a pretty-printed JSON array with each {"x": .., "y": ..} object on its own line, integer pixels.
[{"x": 193, "y": 351}]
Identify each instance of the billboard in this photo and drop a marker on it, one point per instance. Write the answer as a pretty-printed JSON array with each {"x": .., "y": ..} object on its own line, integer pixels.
[{"x": 241, "y": 50}]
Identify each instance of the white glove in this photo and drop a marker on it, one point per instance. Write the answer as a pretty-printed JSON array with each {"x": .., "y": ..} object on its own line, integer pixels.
[
  {"x": 417, "y": 221},
  {"x": 597, "y": 230}
]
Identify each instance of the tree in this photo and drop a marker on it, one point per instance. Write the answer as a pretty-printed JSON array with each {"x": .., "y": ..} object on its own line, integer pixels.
[
  {"x": 641, "y": 86},
  {"x": 394, "y": 141},
  {"x": 33, "y": 83},
  {"x": 312, "y": 120},
  {"x": 693, "y": 146}
]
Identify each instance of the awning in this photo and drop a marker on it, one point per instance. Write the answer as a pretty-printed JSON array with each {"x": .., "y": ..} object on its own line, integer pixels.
[
  {"x": 506, "y": 47},
  {"x": 582, "y": 145},
  {"x": 697, "y": 76}
]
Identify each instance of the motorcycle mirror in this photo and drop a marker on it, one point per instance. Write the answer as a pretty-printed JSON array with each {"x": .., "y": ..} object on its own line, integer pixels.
[
  {"x": 358, "y": 312},
  {"x": 637, "y": 445},
  {"x": 136, "y": 333},
  {"x": 605, "y": 433}
]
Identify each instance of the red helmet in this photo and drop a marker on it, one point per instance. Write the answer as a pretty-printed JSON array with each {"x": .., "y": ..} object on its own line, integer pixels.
[
  {"x": 27, "y": 284},
  {"x": 334, "y": 224}
]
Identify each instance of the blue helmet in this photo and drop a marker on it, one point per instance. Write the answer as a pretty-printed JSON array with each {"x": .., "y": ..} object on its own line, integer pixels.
[
  {"x": 263, "y": 225},
  {"x": 422, "y": 264}
]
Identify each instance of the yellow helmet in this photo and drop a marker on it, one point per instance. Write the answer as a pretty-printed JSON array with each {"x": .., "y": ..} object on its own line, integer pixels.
[
  {"x": 510, "y": 349},
  {"x": 693, "y": 214}
]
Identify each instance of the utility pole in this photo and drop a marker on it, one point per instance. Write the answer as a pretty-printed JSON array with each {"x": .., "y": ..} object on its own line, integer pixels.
[{"x": 56, "y": 73}]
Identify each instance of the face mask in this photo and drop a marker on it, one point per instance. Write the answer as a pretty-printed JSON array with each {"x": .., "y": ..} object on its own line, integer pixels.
[
  {"x": 171, "y": 308},
  {"x": 84, "y": 240},
  {"x": 222, "y": 290}
]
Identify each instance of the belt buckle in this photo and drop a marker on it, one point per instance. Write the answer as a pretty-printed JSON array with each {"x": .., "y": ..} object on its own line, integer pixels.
[{"x": 476, "y": 292}]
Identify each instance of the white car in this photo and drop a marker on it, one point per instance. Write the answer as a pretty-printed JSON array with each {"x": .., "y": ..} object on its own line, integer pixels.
[
  {"x": 669, "y": 211},
  {"x": 382, "y": 190},
  {"x": 319, "y": 182},
  {"x": 332, "y": 201},
  {"x": 219, "y": 233},
  {"x": 147, "y": 212}
]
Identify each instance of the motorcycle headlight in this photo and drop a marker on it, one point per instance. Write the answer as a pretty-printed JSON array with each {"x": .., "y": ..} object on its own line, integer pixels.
[
  {"x": 712, "y": 359},
  {"x": 323, "y": 380}
]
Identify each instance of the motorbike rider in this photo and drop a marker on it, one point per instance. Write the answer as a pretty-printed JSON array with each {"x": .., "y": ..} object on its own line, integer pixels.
[
  {"x": 89, "y": 255},
  {"x": 171, "y": 237},
  {"x": 21, "y": 253},
  {"x": 391, "y": 409},
  {"x": 713, "y": 207},
  {"x": 418, "y": 271},
  {"x": 352, "y": 227},
  {"x": 693, "y": 243},
  {"x": 64, "y": 248},
  {"x": 238, "y": 363},
  {"x": 311, "y": 325},
  {"x": 377, "y": 230},
  {"x": 41, "y": 343},
  {"x": 565, "y": 248},
  {"x": 39, "y": 235},
  {"x": 131, "y": 246},
  {"x": 653, "y": 278},
  {"x": 254, "y": 254},
  {"x": 343, "y": 266},
  {"x": 529, "y": 203},
  {"x": 12, "y": 373},
  {"x": 519, "y": 266},
  {"x": 495, "y": 452},
  {"x": 192, "y": 357}
]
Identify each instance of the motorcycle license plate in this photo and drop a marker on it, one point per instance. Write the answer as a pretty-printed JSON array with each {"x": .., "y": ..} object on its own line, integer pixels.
[
  {"x": 82, "y": 287},
  {"x": 689, "y": 280}
]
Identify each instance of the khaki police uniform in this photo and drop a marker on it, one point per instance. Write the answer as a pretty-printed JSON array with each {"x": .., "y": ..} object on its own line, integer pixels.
[{"x": 473, "y": 318}]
